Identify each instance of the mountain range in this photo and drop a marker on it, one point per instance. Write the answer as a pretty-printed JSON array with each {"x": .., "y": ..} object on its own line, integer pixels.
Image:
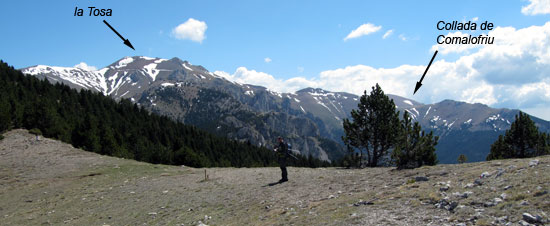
[{"x": 310, "y": 119}]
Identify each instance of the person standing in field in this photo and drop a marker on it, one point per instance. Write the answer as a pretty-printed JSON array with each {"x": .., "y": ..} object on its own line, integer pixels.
[{"x": 282, "y": 150}]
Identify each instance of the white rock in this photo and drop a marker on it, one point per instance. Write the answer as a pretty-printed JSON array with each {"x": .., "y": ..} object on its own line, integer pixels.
[
  {"x": 533, "y": 162},
  {"x": 503, "y": 196},
  {"x": 485, "y": 174},
  {"x": 201, "y": 224},
  {"x": 531, "y": 219}
]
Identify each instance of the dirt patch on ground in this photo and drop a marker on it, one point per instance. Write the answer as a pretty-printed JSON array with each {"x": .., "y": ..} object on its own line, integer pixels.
[{"x": 49, "y": 182}]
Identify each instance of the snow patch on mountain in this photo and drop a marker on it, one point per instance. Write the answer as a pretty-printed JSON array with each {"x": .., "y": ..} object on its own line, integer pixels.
[
  {"x": 85, "y": 79},
  {"x": 186, "y": 67},
  {"x": 151, "y": 70},
  {"x": 124, "y": 62},
  {"x": 125, "y": 93},
  {"x": 428, "y": 111},
  {"x": 413, "y": 116},
  {"x": 414, "y": 109},
  {"x": 146, "y": 58},
  {"x": 322, "y": 104},
  {"x": 494, "y": 118},
  {"x": 160, "y": 61}
]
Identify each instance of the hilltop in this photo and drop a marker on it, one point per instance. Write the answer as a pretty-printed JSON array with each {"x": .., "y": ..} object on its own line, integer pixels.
[{"x": 50, "y": 182}]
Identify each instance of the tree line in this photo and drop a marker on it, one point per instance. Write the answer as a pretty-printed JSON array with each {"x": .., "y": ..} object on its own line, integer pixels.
[{"x": 97, "y": 123}]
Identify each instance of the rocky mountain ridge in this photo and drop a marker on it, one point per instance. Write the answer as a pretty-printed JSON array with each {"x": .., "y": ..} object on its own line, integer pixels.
[{"x": 310, "y": 118}]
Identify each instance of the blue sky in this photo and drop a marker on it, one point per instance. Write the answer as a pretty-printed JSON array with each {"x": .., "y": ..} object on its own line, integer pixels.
[{"x": 305, "y": 43}]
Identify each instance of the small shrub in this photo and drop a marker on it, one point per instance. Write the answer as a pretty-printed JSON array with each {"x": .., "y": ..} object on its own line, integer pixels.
[
  {"x": 35, "y": 131},
  {"x": 518, "y": 197}
]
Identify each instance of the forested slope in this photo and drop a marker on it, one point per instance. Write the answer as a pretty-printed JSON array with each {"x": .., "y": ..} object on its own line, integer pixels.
[{"x": 97, "y": 123}]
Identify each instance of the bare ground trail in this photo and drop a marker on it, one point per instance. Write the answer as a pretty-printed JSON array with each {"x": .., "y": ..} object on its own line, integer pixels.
[{"x": 47, "y": 182}]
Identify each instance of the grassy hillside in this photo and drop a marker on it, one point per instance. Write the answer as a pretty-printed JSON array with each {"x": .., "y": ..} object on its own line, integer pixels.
[{"x": 49, "y": 182}]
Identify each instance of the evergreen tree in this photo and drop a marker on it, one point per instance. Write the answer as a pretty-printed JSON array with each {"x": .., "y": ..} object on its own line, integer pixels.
[
  {"x": 413, "y": 147},
  {"x": 462, "y": 159},
  {"x": 522, "y": 140},
  {"x": 374, "y": 127}
]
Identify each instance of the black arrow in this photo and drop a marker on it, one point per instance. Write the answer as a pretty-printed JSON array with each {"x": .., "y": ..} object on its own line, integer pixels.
[
  {"x": 419, "y": 83},
  {"x": 126, "y": 41}
]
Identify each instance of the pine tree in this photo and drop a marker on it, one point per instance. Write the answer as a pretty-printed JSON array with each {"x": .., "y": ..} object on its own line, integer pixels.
[
  {"x": 522, "y": 140},
  {"x": 374, "y": 127},
  {"x": 427, "y": 154},
  {"x": 462, "y": 159},
  {"x": 414, "y": 148}
]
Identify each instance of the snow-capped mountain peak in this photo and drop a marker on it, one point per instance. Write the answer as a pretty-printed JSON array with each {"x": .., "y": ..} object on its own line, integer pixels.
[{"x": 125, "y": 77}]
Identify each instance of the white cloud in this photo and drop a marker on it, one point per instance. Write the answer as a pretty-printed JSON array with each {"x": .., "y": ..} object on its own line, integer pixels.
[
  {"x": 362, "y": 30},
  {"x": 475, "y": 19},
  {"x": 86, "y": 67},
  {"x": 267, "y": 59},
  {"x": 402, "y": 37},
  {"x": 536, "y": 7},
  {"x": 192, "y": 30},
  {"x": 245, "y": 76},
  {"x": 511, "y": 73},
  {"x": 387, "y": 34}
]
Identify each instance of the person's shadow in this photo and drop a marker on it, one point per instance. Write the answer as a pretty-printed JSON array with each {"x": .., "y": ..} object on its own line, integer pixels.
[{"x": 273, "y": 184}]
